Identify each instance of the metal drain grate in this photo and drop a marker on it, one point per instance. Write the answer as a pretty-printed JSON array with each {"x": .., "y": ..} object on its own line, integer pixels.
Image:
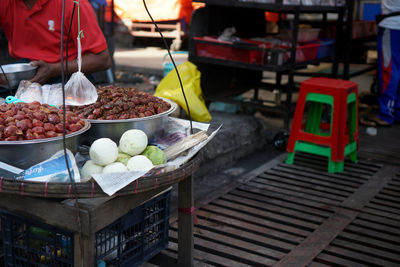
[
  {"x": 288, "y": 209},
  {"x": 373, "y": 237}
]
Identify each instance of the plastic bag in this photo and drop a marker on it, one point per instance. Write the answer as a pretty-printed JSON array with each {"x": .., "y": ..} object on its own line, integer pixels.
[
  {"x": 54, "y": 169},
  {"x": 52, "y": 94},
  {"x": 79, "y": 90},
  {"x": 29, "y": 92},
  {"x": 170, "y": 88},
  {"x": 229, "y": 35},
  {"x": 47, "y": 94}
]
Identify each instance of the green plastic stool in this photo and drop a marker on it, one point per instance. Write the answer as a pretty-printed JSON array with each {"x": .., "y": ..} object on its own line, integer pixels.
[{"x": 316, "y": 103}]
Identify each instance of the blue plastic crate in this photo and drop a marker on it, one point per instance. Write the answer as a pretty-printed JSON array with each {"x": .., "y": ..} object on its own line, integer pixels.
[
  {"x": 137, "y": 236},
  {"x": 326, "y": 49},
  {"x": 30, "y": 243}
]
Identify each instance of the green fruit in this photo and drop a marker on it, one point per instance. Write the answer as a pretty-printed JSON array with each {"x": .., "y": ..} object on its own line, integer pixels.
[
  {"x": 156, "y": 155},
  {"x": 123, "y": 158}
]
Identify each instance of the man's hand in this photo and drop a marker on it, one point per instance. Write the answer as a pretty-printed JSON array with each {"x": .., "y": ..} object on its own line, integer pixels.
[
  {"x": 3, "y": 80},
  {"x": 45, "y": 71}
]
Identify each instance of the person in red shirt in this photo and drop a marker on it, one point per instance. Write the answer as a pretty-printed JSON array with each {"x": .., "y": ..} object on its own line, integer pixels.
[{"x": 33, "y": 31}]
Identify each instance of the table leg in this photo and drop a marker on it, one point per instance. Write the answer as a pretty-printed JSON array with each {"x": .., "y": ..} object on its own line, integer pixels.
[
  {"x": 88, "y": 243},
  {"x": 185, "y": 222}
]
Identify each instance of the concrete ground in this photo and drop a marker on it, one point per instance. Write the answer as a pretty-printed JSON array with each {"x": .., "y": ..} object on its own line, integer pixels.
[{"x": 147, "y": 60}]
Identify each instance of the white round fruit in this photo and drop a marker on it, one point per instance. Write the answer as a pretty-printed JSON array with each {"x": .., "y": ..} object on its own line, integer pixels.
[
  {"x": 88, "y": 169},
  {"x": 103, "y": 151},
  {"x": 139, "y": 163},
  {"x": 133, "y": 142},
  {"x": 115, "y": 167}
]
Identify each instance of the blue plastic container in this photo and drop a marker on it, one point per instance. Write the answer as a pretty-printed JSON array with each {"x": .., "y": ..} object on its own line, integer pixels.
[
  {"x": 326, "y": 48},
  {"x": 226, "y": 107},
  {"x": 167, "y": 64}
]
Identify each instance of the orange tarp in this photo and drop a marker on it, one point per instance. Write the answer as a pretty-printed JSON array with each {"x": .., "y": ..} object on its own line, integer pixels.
[{"x": 160, "y": 10}]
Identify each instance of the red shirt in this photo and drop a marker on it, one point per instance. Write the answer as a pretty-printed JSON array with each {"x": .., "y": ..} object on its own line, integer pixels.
[{"x": 36, "y": 34}]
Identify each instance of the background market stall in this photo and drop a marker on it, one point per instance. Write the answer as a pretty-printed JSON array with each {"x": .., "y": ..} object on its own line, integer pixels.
[{"x": 172, "y": 16}]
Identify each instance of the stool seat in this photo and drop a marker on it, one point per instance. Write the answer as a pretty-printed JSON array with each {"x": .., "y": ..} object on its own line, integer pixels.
[
  {"x": 334, "y": 139},
  {"x": 329, "y": 83}
]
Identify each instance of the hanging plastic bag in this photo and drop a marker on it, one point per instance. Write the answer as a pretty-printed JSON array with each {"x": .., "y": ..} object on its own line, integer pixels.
[
  {"x": 170, "y": 88},
  {"x": 79, "y": 90}
]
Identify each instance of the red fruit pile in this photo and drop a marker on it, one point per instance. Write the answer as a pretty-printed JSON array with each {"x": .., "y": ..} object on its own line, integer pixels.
[
  {"x": 28, "y": 121},
  {"x": 118, "y": 103}
]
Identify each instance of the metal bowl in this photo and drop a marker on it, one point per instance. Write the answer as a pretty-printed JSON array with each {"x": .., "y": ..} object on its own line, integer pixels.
[
  {"x": 16, "y": 73},
  {"x": 153, "y": 126},
  {"x": 24, "y": 154}
]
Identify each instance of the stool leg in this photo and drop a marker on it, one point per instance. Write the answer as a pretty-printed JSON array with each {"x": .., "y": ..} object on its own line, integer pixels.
[
  {"x": 290, "y": 158},
  {"x": 353, "y": 131},
  {"x": 335, "y": 166},
  {"x": 296, "y": 124},
  {"x": 353, "y": 156},
  {"x": 339, "y": 128},
  {"x": 352, "y": 121},
  {"x": 314, "y": 115}
]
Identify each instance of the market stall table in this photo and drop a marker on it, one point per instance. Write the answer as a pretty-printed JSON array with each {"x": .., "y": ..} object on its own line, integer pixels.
[{"x": 53, "y": 204}]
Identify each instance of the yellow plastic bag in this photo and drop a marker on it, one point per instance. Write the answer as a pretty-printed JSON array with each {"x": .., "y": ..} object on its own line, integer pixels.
[{"x": 170, "y": 88}]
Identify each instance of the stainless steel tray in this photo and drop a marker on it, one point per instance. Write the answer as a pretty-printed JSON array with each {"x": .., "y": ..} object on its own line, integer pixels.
[
  {"x": 153, "y": 126},
  {"x": 24, "y": 154}
]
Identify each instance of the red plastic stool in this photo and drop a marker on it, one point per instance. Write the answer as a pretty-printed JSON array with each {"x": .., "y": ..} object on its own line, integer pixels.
[{"x": 310, "y": 135}]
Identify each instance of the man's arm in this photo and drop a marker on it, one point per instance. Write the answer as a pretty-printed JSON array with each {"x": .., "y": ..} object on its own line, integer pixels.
[{"x": 90, "y": 63}]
